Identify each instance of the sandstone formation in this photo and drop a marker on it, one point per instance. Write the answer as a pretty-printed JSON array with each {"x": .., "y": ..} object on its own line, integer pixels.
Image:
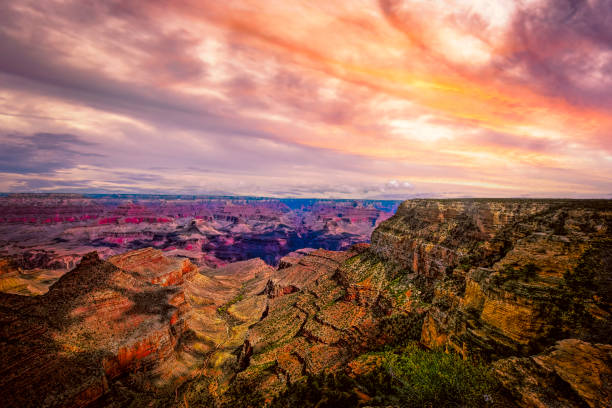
[
  {"x": 294, "y": 257},
  {"x": 506, "y": 277},
  {"x": 96, "y": 323},
  {"x": 521, "y": 285},
  {"x": 572, "y": 373},
  {"x": 140, "y": 320},
  {"x": 312, "y": 327},
  {"x": 151, "y": 265},
  {"x": 225, "y": 302},
  {"x": 484, "y": 278}
]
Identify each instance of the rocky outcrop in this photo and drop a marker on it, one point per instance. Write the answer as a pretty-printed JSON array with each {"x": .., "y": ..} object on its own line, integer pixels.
[
  {"x": 524, "y": 285},
  {"x": 43, "y": 259},
  {"x": 298, "y": 335},
  {"x": 96, "y": 323},
  {"x": 429, "y": 236},
  {"x": 154, "y": 267},
  {"x": 127, "y": 329},
  {"x": 484, "y": 278},
  {"x": 338, "y": 308},
  {"x": 498, "y": 272},
  {"x": 572, "y": 373},
  {"x": 294, "y": 257},
  {"x": 510, "y": 278},
  {"x": 273, "y": 290}
]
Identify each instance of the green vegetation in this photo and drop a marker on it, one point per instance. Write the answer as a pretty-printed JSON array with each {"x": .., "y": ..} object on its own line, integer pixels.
[
  {"x": 195, "y": 394},
  {"x": 404, "y": 377},
  {"x": 223, "y": 309},
  {"x": 243, "y": 393},
  {"x": 397, "y": 289}
]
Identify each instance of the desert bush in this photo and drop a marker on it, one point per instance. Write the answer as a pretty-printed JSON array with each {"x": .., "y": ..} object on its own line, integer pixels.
[{"x": 406, "y": 377}]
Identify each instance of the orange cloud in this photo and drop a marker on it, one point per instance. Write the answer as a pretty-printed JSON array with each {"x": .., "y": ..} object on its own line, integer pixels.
[{"x": 477, "y": 94}]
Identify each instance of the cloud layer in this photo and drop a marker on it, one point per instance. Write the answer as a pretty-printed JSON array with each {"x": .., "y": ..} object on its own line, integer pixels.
[{"x": 322, "y": 98}]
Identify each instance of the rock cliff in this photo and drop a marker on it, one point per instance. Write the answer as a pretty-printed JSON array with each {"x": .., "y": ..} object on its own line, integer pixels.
[
  {"x": 51, "y": 231},
  {"x": 506, "y": 277},
  {"x": 522, "y": 286},
  {"x": 487, "y": 279},
  {"x": 95, "y": 323}
]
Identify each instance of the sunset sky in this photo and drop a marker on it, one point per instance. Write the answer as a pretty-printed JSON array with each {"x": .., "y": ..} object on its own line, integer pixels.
[{"x": 312, "y": 98}]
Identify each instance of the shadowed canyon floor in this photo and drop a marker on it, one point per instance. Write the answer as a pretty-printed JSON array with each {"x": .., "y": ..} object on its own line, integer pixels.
[{"x": 454, "y": 303}]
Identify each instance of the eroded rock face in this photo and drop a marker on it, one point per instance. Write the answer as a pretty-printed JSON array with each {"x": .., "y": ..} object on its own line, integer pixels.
[
  {"x": 154, "y": 267},
  {"x": 53, "y": 231},
  {"x": 298, "y": 336},
  {"x": 96, "y": 323},
  {"x": 525, "y": 284},
  {"x": 505, "y": 277},
  {"x": 224, "y": 302},
  {"x": 155, "y": 319},
  {"x": 338, "y": 307},
  {"x": 572, "y": 373},
  {"x": 293, "y": 258},
  {"x": 484, "y": 278},
  {"x": 429, "y": 236},
  {"x": 510, "y": 278}
]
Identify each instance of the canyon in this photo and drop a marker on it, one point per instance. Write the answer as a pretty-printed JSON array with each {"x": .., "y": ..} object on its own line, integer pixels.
[
  {"x": 42, "y": 236},
  {"x": 521, "y": 288}
]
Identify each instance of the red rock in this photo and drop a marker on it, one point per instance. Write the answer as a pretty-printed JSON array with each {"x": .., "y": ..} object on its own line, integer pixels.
[
  {"x": 153, "y": 266},
  {"x": 210, "y": 231},
  {"x": 96, "y": 322}
]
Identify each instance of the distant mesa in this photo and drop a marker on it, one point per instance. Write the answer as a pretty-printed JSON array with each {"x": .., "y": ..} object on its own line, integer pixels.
[{"x": 51, "y": 228}]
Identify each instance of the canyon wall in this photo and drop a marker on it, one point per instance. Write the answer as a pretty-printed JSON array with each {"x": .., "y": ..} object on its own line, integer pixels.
[
  {"x": 522, "y": 286},
  {"x": 525, "y": 284},
  {"x": 53, "y": 231}
]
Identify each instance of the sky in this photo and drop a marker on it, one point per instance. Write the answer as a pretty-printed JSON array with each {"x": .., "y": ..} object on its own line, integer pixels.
[{"x": 312, "y": 98}]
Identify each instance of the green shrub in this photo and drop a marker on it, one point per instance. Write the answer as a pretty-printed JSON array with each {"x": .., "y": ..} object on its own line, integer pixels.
[{"x": 406, "y": 377}]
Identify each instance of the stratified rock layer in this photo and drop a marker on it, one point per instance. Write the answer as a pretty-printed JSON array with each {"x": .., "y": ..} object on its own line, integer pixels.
[
  {"x": 504, "y": 276},
  {"x": 52, "y": 231},
  {"x": 96, "y": 323},
  {"x": 524, "y": 284},
  {"x": 572, "y": 373},
  {"x": 485, "y": 278},
  {"x": 154, "y": 267}
]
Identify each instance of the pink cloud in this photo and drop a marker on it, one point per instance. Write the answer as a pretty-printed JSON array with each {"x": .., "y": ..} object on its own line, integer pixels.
[{"x": 471, "y": 97}]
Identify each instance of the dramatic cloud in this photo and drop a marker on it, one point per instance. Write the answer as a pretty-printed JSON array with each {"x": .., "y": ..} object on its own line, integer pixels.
[{"x": 322, "y": 98}]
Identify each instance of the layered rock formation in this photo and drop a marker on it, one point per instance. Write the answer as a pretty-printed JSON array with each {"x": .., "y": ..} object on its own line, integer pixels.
[
  {"x": 312, "y": 324},
  {"x": 96, "y": 323},
  {"x": 522, "y": 285},
  {"x": 572, "y": 373},
  {"x": 126, "y": 329},
  {"x": 484, "y": 278},
  {"x": 506, "y": 277},
  {"x": 151, "y": 265},
  {"x": 53, "y": 231},
  {"x": 225, "y": 302}
]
